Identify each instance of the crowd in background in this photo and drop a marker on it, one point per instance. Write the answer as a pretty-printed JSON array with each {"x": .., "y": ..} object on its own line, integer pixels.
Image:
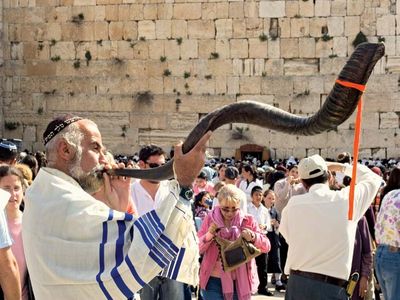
[{"x": 248, "y": 194}]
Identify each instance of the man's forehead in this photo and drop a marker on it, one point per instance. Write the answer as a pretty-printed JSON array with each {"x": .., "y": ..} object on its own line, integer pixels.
[{"x": 90, "y": 131}]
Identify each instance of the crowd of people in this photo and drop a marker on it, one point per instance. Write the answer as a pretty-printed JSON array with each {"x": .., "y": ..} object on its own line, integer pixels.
[{"x": 71, "y": 231}]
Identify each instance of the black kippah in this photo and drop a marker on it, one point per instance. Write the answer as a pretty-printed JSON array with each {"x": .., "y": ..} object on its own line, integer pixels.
[
  {"x": 8, "y": 150},
  {"x": 57, "y": 125}
]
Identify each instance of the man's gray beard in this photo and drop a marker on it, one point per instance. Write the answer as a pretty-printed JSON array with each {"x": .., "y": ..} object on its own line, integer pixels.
[{"x": 90, "y": 181}]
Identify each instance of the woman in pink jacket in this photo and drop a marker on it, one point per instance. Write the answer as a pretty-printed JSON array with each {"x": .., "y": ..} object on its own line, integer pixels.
[{"x": 228, "y": 222}]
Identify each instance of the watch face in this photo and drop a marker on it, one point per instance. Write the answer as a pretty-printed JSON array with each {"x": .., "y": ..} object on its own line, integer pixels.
[{"x": 189, "y": 194}]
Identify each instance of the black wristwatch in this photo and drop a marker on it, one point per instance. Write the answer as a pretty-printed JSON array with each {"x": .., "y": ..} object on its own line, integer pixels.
[{"x": 186, "y": 193}]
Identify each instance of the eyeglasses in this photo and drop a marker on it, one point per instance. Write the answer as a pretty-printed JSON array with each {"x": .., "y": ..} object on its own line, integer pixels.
[
  {"x": 154, "y": 165},
  {"x": 229, "y": 209}
]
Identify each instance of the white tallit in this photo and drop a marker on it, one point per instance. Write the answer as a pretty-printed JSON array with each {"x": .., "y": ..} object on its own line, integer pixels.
[{"x": 78, "y": 248}]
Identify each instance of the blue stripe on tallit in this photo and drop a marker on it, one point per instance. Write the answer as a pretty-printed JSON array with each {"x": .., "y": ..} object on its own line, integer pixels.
[
  {"x": 101, "y": 255},
  {"x": 133, "y": 272},
  {"x": 178, "y": 263}
]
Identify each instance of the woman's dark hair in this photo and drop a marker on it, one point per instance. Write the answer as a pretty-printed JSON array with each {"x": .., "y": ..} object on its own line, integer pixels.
[
  {"x": 252, "y": 170},
  {"x": 199, "y": 197},
  {"x": 319, "y": 179},
  {"x": 274, "y": 177},
  {"x": 32, "y": 163},
  {"x": 6, "y": 170},
  {"x": 393, "y": 182}
]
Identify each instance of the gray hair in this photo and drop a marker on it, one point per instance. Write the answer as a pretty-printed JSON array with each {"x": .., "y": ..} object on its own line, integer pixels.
[{"x": 71, "y": 134}]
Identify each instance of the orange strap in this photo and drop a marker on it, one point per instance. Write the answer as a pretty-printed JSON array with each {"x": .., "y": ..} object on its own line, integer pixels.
[{"x": 356, "y": 144}]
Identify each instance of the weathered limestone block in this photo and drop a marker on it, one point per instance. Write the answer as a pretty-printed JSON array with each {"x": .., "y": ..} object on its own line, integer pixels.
[
  {"x": 370, "y": 120},
  {"x": 339, "y": 8},
  {"x": 130, "y": 31},
  {"x": 147, "y": 29},
  {"x": 274, "y": 48},
  {"x": 355, "y": 7},
  {"x": 66, "y": 50},
  {"x": 149, "y": 121},
  {"x": 298, "y": 67},
  {"x": 257, "y": 48},
  {"x": 141, "y": 50},
  {"x": 100, "y": 31},
  {"x": 335, "y": 26},
  {"x": 222, "y": 10},
  {"x": 386, "y": 25},
  {"x": 29, "y": 133},
  {"x": 163, "y": 29},
  {"x": 189, "y": 49},
  {"x": 254, "y": 27},
  {"x": 274, "y": 67},
  {"x": 272, "y": 9},
  {"x": 322, "y": 8},
  {"x": 165, "y": 11},
  {"x": 116, "y": 31},
  {"x": 323, "y": 48},
  {"x": 332, "y": 65},
  {"x": 83, "y": 32},
  {"x": 389, "y": 120},
  {"x": 222, "y": 48},
  {"x": 236, "y": 10},
  {"x": 284, "y": 27},
  {"x": 237, "y": 67},
  {"x": 306, "y": 47},
  {"x": 239, "y": 48},
  {"x": 393, "y": 64},
  {"x": 248, "y": 65},
  {"x": 390, "y": 45},
  {"x": 316, "y": 25},
  {"x": 239, "y": 28},
  {"x": 277, "y": 85},
  {"x": 223, "y": 28},
  {"x": 351, "y": 25},
  {"x": 250, "y": 85},
  {"x": 150, "y": 11},
  {"x": 184, "y": 121},
  {"x": 289, "y": 48},
  {"x": 201, "y": 29},
  {"x": 135, "y": 12},
  {"x": 251, "y": 9},
  {"x": 187, "y": 11},
  {"x": 233, "y": 85},
  {"x": 205, "y": 49},
  {"x": 306, "y": 8},
  {"x": 125, "y": 50},
  {"x": 209, "y": 11},
  {"x": 179, "y": 29},
  {"x": 340, "y": 46},
  {"x": 292, "y": 9},
  {"x": 220, "y": 85},
  {"x": 39, "y": 68},
  {"x": 112, "y": 13},
  {"x": 299, "y": 27},
  {"x": 259, "y": 67}
]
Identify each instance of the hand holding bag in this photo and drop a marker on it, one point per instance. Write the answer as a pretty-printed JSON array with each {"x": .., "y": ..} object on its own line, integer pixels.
[{"x": 235, "y": 253}]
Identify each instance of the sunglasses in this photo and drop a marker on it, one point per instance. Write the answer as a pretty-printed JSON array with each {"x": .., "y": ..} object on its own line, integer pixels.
[
  {"x": 229, "y": 209},
  {"x": 154, "y": 165}
]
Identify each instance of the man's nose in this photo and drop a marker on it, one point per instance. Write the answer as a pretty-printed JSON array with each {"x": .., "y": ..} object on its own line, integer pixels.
[{"x": 102, "y": 158}]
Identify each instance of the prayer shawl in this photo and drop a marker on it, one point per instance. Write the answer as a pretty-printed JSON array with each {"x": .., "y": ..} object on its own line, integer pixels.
[{"x": 78, "y": 248}]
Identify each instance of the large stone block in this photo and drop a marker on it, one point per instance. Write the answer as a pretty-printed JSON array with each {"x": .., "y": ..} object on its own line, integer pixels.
[
  {"x": 233, "y": 85},
  {"x": 223, "y": 28},
  {"x": 201, "y": 29},
  {"x": 292, "y": 9},
  {"x": 335, "y": 26},
  {"x": 179, "y": 28},
  {"x": 236, "y": 10},
  {"x": 323, "y": 48},
  {"x": 205, "y": 49},
  {"x": 355, "y": 7},
  {"x": 189, "y": 49},
  {"x": 130, "y": 31},
  {"x": 251, "y": 9},
  {"x": 306, "y": 47},
  {"x": 289, "y": 48},
  {"x": 389, "y": 120},
  {"x": 299, "y": 27},
  {"x": 351, "y": 25},
  {"x": 136, "y": 12},
  {"x": 147, "y": 29},
  {"x": 239, "y": 48},
  {"x": 250, "y": 85},
  {"x": 165, "y": 11},
  {"x": 339, "y": 8},
  {"x": 116, "y": 31},
  {"x": 66, "y": 50},
  {"x": 277, "y": 85},
  {"x": 298, "y": 67},
  {"x": 274, "y": 48},
  {"x": 340, "y": 46},
  {"x": 332, "y": 65},
  {"x": 306, "y": 8},
  {"x": 284, "y": 27},
  {"x": 274, "y": 67},
  {"x": 272, "y": 9},
  {"x": 209, "y": 11},
  {"x": 257, "y": 48},
  {"x": 222, "y": 48},
  {"x": 150, "y": 11},
  {"x": 187, "y": 11},
  {"x": 322, "y": 8},
  {"x": 386, "y": 25},
  {"x": 316, "y": 26},
  {"x": 239, "y": 28},
  {"x": 163, "y": 29}
]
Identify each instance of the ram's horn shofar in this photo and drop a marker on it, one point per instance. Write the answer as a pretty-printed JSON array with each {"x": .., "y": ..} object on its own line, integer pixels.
[{"x": 339, "y": 105}]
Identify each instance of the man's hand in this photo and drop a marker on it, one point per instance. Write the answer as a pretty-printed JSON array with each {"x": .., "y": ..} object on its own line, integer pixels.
[
  {"x": 9, "y": 275},
  {"x": 248, "y": 235},
  {"x": 115, "y": 192},
  {"x": 363, "y": 287},
  {"x": 187, "y": 166}
]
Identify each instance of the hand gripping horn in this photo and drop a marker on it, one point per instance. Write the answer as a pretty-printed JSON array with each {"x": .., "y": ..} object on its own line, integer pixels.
[{"x": 338, "y": 107}]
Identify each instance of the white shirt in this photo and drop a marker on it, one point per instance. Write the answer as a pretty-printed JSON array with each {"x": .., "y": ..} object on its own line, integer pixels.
[
  {"x": 315, "y": 225},
  {"x": 142, "y": 199},
  {"x": 261, "y": 214},
  {"x": 5, "y": 239},
  {"x": 246, "y": 188}
]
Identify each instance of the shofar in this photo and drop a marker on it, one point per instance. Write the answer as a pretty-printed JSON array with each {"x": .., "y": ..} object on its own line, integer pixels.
[{"x": 339, "y": 105}]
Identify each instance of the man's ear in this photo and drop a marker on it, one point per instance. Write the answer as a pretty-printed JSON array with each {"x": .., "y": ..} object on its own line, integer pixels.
[
  {"x": 141, "y": 164},
  {"x": 65, "y": 151}
]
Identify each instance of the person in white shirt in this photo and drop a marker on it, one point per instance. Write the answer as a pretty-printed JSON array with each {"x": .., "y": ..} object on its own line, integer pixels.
[
  {"x": 319, "y": 234},
  {"x": 147, "y": 195},
  {"x": 263, "y": 218}
]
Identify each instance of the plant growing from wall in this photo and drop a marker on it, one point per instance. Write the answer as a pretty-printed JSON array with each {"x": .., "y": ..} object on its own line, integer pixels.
[
  {"x": 10, "y": 125},
  {"x": 167, "y": 72},
  {"x": 214, "y": 55},
  {"x": 144, "y": 97},
  {"x": 100, "y": 42},
  {"x": 208, "y": 77},
  {"x": 326, "y": 37},
  {"x": 381, "y": 39},
  {"x": 40, "y": 46},
  {"x": 239, "y": 133},
  {"x": 88, "y": 57},
  {"x": 78, "y": 19},
  {"x": 360, "y": 38},
  {"x": 305, "y": 93},
  {"x": 53, "y": 42},
  {"x": 124, "y": 129},
  {"x": 178, "y": 103},
  {"x": 142, "y": 38},
  {"x": 77, "y": 63},
  {"x": 186, "y": 74},
  {"x": 48, "y": 93},
  {"x": 55, "y": 58},
  {"x": 263, "y": 37},
  {"x": 40, "y": 111},
  {"x": 163, "y": 58},
  {"x": 179, "y": 40},
  {"x": 118, "y": 61}
]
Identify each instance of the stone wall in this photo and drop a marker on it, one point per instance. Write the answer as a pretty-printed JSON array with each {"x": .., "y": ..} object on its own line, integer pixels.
[{"x": 146, "y": 71}]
